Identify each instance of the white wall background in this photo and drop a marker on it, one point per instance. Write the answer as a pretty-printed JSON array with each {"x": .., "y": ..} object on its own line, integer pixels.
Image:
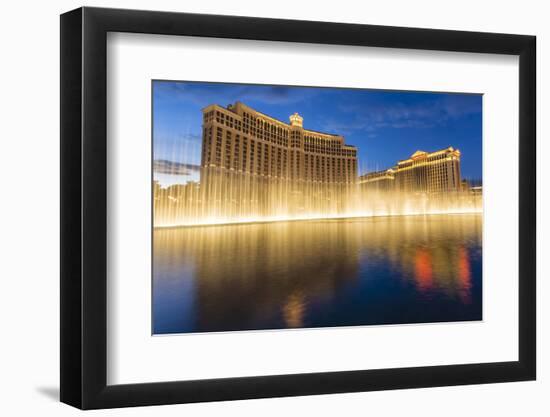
[{"x": 29, "y": 225}]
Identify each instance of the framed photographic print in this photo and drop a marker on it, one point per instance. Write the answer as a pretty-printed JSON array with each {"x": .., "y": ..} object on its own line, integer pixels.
[{"x": 256, "y": 208}]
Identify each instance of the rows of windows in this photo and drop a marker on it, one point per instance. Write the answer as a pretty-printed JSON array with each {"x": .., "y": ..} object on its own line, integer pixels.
[
  {"x": 374, "y": 176},
  {"x": 260, "y": 127},
  {"x": 250, "y": 125},
  {"x": 237, "y": 152},
  {"x": 434, "y": 173},
  {"x": 429, "y": 159},
  {"x": 434, "y": 177},
  {"x": 321, "y": 168},
  {"x": 442, "y": 176}
]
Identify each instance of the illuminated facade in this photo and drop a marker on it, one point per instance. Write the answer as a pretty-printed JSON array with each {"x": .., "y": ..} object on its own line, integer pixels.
[
  {"x": 240, "y": 139},
  {"x": 379, "y": 180},
  {"x": 254, "y": 164},
  {"x": 436, "y": 172},
  {"x": 256, "y": 168}
]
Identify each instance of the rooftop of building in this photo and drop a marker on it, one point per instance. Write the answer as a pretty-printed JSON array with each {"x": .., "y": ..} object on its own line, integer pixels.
[
  {"x": 295, "y": 116},
  {"x": 423, "y": 154},
  {"x": 416, "y": 155}
]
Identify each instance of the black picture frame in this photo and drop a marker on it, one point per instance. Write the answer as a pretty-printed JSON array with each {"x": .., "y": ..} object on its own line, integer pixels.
[{"x": 84, "y": 207}]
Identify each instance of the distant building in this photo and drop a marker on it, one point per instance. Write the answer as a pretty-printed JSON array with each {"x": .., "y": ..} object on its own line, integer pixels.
[
  {"x": 379, "y": 181},
  {"x": 477, "y": 190},
  {"x": 423, "y": 172}
]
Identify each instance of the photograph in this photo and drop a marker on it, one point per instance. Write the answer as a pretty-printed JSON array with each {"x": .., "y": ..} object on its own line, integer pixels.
[{"x": 284, "y": 207}]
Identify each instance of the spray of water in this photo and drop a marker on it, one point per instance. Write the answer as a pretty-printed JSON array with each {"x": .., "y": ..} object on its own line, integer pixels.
[{"x": 227, "y": 199}]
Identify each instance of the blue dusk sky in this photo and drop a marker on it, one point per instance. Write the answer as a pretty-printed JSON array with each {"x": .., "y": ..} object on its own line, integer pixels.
[{"x": 386, "y": 126}]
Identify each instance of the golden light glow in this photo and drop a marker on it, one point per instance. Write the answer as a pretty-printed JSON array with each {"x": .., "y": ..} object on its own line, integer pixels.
[
  {"x": 271, "y": 219},
  {"x": 293, "y": 310},
  {"x": 257, "y": 169},
  {"x": 183, "y": 206},
  {"x": 286, "y": 269}
]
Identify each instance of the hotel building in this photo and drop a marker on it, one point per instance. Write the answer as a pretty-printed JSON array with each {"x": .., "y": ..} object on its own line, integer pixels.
[
  {"x": 254, "y": 163},
  {"x": 423, "y": 172},
  {"x": 238, "y": 138}
]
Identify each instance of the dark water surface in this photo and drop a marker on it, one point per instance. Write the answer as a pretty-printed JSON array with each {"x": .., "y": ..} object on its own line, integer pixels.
[{"x": 386, "y": 270}]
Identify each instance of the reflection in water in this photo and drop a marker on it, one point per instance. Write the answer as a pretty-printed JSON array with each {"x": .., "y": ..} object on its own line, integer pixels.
[
  {"x": 464, "y": 274},
  {"x": 293, "y": 310},
  {"x": 317, "y": 273},
  {"x": 423, "y": 269}
]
